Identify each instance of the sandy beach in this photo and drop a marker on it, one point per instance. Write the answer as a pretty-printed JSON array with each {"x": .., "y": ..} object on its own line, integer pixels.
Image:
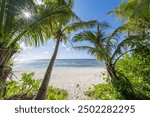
[{"x": 75, "y": 80}]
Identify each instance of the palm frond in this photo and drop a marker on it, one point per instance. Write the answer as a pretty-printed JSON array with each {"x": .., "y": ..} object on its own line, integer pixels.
[
  {"x": 70, "y": 3},
  {"x": 85, "y": 36},
  {"x": 102, "y": 25},
  {"x": 79, "y": 25},
  {"x": 132, "y": 42},
  {"x": 41, "y": 28},
  {"x": 102, "y": 45},
  {"x": 90, "y": 50}
]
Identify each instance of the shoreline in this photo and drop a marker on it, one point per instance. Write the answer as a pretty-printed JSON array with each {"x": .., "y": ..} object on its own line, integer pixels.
[{"x": 72, "y": 79}]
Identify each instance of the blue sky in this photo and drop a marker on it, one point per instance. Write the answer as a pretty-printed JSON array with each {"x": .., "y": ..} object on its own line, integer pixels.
[{"x": 86, "y": 10}]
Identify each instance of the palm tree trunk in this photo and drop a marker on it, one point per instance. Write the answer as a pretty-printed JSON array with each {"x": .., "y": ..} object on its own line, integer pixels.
[
  {"x": 43, "y": 88},
  {"x": 3, "y": 5},
  {"x": 127, "y": 92},
  {"x": 5, "y": 56},
  {"x": 111, "y": 71}
]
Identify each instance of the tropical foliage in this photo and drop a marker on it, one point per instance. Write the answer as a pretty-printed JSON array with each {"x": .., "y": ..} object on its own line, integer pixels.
[
  {"x": 26, "y": 21},
  {"x": 125, "y": 52},
  {"x": 26, "y": 88},
  {"x": 136, "y": 69},
  {"x": 136, "y": 15}
]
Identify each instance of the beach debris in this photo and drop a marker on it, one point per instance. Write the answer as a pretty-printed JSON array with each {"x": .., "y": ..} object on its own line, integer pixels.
[{"x": 77, "y": 85}]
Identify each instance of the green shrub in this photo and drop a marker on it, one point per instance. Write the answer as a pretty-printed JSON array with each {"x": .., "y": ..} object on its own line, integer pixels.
[
  {"x": 56, "y": 94},
  {"x": 104, "y": 92},
  {"x": 137, "y": 69},
  {"x": 27, "y": 87}
]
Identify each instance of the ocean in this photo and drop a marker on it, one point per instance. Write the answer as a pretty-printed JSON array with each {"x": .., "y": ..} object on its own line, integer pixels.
[{"x": 43, "y": 63}]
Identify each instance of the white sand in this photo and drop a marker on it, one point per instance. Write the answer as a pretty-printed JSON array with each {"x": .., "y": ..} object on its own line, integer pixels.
[{"x": 75, "y": 80}]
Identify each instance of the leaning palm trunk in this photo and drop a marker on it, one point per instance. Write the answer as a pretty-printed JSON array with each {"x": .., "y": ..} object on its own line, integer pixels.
[
  {"x": 112, "y": 73},
  {"x": 126, "y": 92},
  {"x": 43, "y": 88},
  {"x": 5, "y": 70}
]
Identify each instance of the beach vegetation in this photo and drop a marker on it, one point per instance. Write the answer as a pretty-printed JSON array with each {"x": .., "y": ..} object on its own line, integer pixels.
[
  {"x": 103, "y": 92},
  {"x": 136, "y": 69},
  {"x": 27, "y": 87}
]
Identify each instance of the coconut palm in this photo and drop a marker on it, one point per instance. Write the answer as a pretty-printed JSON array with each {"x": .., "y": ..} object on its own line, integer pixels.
[
  {"x": 25, "y": 21},
  {"x": 65, "y": 26},
  {"x": 103, "y": 47}
]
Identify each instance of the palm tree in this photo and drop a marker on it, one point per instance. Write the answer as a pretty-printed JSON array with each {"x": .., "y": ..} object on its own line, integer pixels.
[
  {"x": 64, "y": 27},
  {"x": 104, "y": 47},
  {"x": 25, "y": 21},
  {"x": 101, "y": 46}
]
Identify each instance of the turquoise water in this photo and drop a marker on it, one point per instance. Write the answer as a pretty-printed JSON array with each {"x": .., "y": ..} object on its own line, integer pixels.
[{"x": 43, "y": 63}]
